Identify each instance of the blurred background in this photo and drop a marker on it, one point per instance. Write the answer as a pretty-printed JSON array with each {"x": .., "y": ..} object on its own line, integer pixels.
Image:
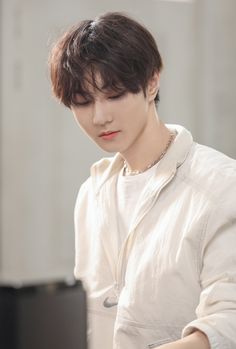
[{"x": 45, "y": 157}]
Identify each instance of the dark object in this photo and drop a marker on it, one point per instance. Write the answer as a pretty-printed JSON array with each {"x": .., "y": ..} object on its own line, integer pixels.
[{"x": 45, "y": 316}]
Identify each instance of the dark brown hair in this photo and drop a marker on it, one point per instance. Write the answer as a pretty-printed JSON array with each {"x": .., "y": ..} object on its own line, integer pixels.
[{"x": 118, "y": 48}]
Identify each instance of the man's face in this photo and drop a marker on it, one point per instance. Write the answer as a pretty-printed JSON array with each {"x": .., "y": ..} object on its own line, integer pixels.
[{"x": 114, "y": 121}]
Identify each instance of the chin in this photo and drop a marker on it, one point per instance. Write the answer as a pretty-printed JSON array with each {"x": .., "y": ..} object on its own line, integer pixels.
[{"x": 109, "y": 148}]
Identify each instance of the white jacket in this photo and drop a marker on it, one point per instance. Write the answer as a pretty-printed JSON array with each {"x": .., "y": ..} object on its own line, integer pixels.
[{"x": 176, "y": 270}]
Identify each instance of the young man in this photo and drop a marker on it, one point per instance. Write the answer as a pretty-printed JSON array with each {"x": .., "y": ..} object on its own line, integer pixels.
[{"x": 155, "y": 224}]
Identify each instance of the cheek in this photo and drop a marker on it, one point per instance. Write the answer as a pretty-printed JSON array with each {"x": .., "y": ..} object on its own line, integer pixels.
[
  {"x": 82, "y": 121},
  {"x": 76, "y": 117},
  {"x": 85, "y": 127},
  {"x": 136, "y": 115},
  {"x": 137, "y": 107}
]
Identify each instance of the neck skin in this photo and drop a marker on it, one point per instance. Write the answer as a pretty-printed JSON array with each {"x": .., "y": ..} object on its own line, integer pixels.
[{"x": 149, "y": 145}]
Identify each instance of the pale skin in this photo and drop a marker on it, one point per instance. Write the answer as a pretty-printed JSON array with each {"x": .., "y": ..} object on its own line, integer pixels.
[
  {"x": 142, "y": 135},
  {"x": 139, "y": 136}
]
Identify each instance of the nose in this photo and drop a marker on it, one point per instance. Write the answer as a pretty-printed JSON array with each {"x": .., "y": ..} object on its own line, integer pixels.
[{"x": 101, "y": 115}]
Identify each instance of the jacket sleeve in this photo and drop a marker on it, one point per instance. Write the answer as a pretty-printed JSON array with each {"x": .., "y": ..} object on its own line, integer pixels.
[{"x": 216, "y": 311}]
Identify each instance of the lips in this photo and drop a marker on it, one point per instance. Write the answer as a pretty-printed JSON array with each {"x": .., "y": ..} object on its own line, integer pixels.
[{"x": 108, "y": 135}]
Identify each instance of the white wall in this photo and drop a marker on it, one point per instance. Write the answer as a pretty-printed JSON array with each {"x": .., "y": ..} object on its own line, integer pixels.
[
  {"x": 45, "y": 157},
  {"x": 217, "y": 74}
]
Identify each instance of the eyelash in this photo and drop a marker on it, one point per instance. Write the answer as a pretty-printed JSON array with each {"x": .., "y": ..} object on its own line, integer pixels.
[
  {"x": 117, "y": 96},
  {"x": 79, "y": 104},
  {"x": 85, "y": 103}
]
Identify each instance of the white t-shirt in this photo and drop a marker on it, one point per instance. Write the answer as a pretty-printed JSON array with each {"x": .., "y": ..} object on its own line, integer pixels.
[{"x": 129, "y": 189}]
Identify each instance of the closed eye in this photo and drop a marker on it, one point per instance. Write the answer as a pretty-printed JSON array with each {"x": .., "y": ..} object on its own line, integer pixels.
[
  {"x": 81, "y": 104},
  {"x": 120, "y": 95}
]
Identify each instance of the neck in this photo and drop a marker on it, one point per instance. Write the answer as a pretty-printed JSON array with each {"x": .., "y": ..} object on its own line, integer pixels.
[{"x": 148, "y": 147}]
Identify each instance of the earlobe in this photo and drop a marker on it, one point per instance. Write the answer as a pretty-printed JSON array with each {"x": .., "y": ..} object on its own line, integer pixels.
[{"x": 153, "y": 86}]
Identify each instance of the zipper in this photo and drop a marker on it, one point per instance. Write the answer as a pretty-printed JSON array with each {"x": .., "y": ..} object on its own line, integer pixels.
[{"x": 125, "y": 250}]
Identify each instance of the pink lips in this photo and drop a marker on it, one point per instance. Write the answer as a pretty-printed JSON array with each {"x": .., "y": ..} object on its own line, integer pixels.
[{"x": 109, "y": 135}]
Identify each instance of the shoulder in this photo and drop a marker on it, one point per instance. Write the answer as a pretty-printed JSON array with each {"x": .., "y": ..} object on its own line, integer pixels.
[
  {"x": 210, "y": 171},
  {"x": 213, "y": 164},
  {"x": 212, "y": 175}
]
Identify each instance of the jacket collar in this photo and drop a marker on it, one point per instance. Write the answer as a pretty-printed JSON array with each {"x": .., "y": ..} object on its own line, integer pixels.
[
  {"x": 179, "y": 149},
  {"x": 107, "y": 168}
]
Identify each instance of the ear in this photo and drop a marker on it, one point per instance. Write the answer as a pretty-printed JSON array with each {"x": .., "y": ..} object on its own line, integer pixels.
[{"x": 153, "y": 86}]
